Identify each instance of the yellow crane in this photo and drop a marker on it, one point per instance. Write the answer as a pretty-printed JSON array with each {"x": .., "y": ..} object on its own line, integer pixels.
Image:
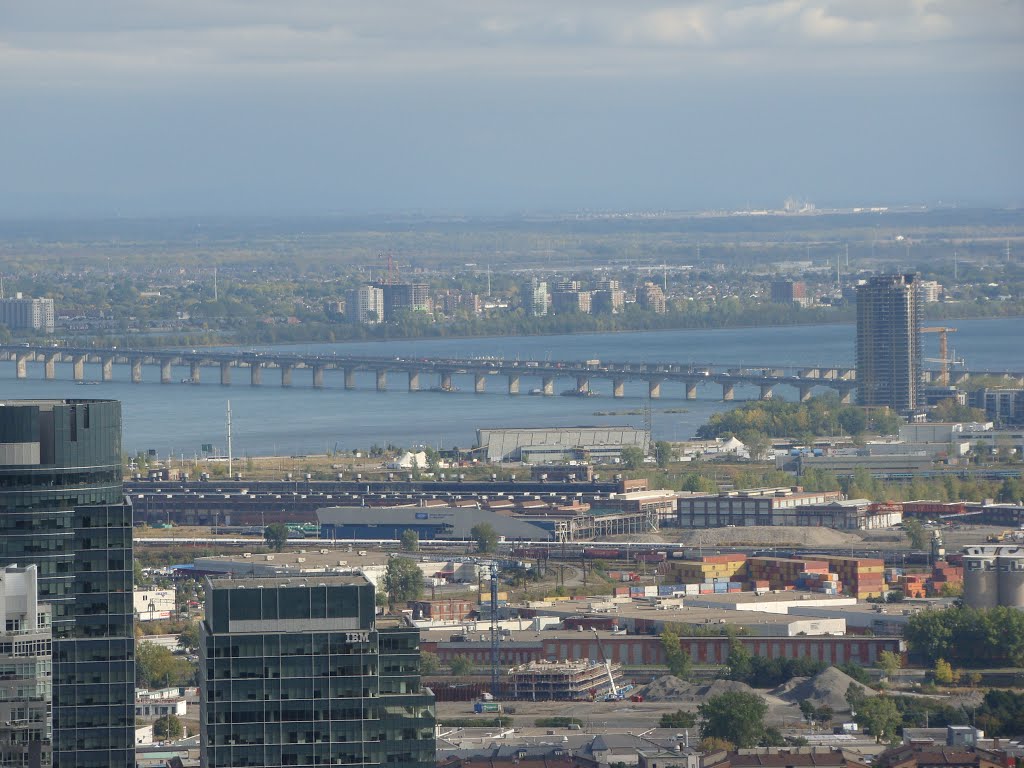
[{"x": 943, "y": 357}]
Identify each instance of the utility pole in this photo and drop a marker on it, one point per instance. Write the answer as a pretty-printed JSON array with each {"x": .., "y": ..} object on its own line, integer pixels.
[{"x": 229, "y": 440}]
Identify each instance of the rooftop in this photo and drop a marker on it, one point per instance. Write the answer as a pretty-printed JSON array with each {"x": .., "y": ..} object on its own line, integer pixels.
[{"x": 310, "y": 580}]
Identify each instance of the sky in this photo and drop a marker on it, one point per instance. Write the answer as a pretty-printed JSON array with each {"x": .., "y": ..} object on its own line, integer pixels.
[{"x": 262, "y": 107}]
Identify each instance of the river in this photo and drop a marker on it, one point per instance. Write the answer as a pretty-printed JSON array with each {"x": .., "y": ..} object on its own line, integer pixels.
[{"x": 177, "y": 419}]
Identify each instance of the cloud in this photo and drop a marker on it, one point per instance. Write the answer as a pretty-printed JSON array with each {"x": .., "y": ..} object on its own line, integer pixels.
[{"x": 114, "y": 42}]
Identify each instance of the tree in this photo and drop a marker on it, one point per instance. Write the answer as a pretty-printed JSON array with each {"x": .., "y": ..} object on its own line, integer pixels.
[
  {"x": 880, "y": 716},
  {"x": 663, "y": 453},
  {"x": 678, "y": 719},
  {"x": 429, "y": 663},
  {"x": 188, "y": 638},
  {"x": 916, "y": 533},
  {"x": 632, "y": 457},
  {"x": 168, "y": 727},
  {"x": 403, "y": 580},
  {"x": 740, "y": 663},
  {"x": 890, "y": 663},
  {"x": 943, "y": 672},
  {"x": 713, "y": 744},
  {"x": 410, "y": 540},
  {"x": 461, "y": 665},
  {"x": 852, "y": 420},
  {"x": 676, "y": 659},
  {"x": 807, "y": 709},
  {"x": 485, "y": 536},
  {"x": 157, "y": 667},
  {"x": 276, "y": 536},
  {"x": 824, "y": 714},
  {"x": 735, "y": 716}
]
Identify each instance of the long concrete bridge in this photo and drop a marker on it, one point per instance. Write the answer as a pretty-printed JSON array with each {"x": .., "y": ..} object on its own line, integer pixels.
[{"x": 544, "y": 374}]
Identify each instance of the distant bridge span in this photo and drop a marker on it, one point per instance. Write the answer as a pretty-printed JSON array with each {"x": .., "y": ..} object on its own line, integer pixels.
[{"x": 544, "y": 374}]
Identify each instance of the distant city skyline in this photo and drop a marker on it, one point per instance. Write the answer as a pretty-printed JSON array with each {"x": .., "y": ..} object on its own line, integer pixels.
[{"x": 117, "y": 109}]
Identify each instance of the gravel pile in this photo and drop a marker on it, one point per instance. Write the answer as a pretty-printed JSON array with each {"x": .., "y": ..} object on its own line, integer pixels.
[
  {"x": 668, "y": 688},
  {"x": 726, "y": 686},
  {"x": 827, "y": 688}
]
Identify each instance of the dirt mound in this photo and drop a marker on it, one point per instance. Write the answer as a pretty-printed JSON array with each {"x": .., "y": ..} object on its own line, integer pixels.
[
  {"x": 667, "y": 688},
  {"x": 726, "y": 686},
  {"x": 783, "y": 690},
  {"x": 827, "y": 688}
]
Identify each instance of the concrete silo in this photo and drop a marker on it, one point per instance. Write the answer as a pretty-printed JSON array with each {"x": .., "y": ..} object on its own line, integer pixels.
[
  {"x": 981, "y": 579},
  {"x": 1010, "y": 561}
]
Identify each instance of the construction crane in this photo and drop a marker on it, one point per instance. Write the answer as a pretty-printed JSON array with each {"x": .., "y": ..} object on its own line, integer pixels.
[
  {"x": 614, "y": 695},
  {"x": 495, "y": 634},
  {"x": 943, "y": 357}
]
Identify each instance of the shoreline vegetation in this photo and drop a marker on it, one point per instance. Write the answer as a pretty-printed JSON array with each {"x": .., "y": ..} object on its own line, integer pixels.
[{"x": 761, "y": 316}]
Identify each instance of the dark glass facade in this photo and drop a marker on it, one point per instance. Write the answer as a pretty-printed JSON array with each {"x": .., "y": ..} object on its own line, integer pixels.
[
  {"x": 296, "y": 672},
  {"x": 889, "y": 342},
  {"x": 62, "y": 508}
]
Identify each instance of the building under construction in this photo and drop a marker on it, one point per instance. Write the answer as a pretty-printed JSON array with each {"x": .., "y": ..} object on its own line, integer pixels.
[{"x": 562, "y": 680}]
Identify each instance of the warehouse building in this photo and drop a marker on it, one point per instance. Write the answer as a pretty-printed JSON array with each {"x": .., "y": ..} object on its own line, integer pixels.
[
  {"x": 648, "y": 650},
  {"x": 541, "y": 445},
  {"x": 454, "y": 523},
  {"x": 752, "y": 506}
]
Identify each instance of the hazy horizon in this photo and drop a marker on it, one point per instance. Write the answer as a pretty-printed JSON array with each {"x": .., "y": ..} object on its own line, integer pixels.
[{"x": 315, "y": 107}]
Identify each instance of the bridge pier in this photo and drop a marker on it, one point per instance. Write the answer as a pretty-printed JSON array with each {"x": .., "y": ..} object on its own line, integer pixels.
[
  {"x": 414, "y": 381},
  {"x": 318, "y": 377},
  {"x": 255, "y": 374},
  {"x": 350, "y": 378},
  {"x": 513, "y": 384},
  {"x": 479, "y": 383},
  {"x": 78, "y": 367},
  {"x": 691, "y": 390},
  {"x": 582, "y": 384},
  {"x": 286, "y": 374},
  {"x": 50, "y": 367},
  {"x": 193, "y": 372},
  {"x": 958, "y": 377},
  {"x": 382, "y": 380},
  {"x": 446, "y": 381},
  {"x": 107, "y": 369},
  {"x": 846, "y": 397},
  {"x": 766, "y": 391},
  {"x": 547, "y": 385},
  {"x": 225, "y": 373},
  {"x": 21, "y": 364},
  {"x": 728, "y": 390},
  {"x": 165, "y": 371},
  {"x": 805, "y": 392},
  {"x": 618, "y": 387},
  {"x": 654, "y": 389},
  {"x": 137, "y": 370}
]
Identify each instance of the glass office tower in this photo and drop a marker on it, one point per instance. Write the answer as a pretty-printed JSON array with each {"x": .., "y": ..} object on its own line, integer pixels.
[
  {"x": 297, "y": 671},
  {"x": 62, "y": 509}
]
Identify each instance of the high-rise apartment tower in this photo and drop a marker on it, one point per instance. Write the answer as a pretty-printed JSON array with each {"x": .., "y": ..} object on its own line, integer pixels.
[{"x": 889, "y": 342}]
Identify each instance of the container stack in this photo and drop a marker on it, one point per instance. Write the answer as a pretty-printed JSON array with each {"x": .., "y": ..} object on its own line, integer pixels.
[
  {"x": 864, "y": 577},
  {"x": 912, "y": 585},
  {"x": 707, "y": 569},
  {"x": 945, "y": 574},
  {"x": 825, "y": 583},
  {"x": 782, "y": 572}
]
